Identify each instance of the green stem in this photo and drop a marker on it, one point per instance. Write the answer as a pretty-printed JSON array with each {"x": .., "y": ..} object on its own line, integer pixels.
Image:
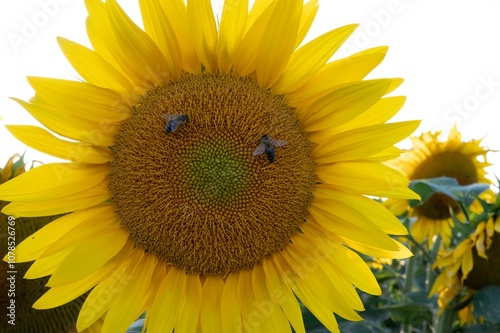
[
  {"x": 432, "y": 273},
  {"x": 408, "y": 284},
  {"x": 445, "y": 321},
  {"x": 413, "y": 242},
  {"x": 410, "y": 271}
]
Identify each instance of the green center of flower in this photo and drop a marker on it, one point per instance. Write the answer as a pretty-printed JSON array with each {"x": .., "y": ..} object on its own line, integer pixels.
[
  {"x": 212, "y": 174},
  {"x": 450, "y": 164},
  {"x": 215, "y": 172}
]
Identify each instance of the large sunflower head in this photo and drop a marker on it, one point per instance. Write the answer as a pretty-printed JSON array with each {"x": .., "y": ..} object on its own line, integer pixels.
[
  {"x": 431, "y": 157},
  {"x": 470, "y": 266},
  {"x": 214, "y": 168},
  {"x": 19, "y": 292}
]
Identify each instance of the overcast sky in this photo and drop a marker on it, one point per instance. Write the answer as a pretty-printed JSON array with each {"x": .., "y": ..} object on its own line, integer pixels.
[{"x": 447, "y": 51}]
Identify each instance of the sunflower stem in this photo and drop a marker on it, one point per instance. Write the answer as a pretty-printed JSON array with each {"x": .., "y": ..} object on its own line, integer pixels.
[
  {"x": 410, "y": 271},
  {"x": 416, "y": 244},
  {"x": 445, "y": 321},
  {"x": 408, "y": 284},
  {"x": 432, "y": 272}
]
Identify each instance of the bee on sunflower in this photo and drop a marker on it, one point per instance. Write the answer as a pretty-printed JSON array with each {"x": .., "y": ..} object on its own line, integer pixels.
[{"x": 170, "y": 210}]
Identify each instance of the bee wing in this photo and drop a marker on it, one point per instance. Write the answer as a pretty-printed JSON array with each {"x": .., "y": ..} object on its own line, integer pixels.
[
  {"x": 260, "y": 149},
  {"x": 174, "y": 124},
  {"x": 171, "y": 117},
  {"x": 278, "y": 143}
]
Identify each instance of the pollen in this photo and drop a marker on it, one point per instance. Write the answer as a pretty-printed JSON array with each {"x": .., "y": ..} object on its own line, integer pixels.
[{"x": 198, "y": 197}]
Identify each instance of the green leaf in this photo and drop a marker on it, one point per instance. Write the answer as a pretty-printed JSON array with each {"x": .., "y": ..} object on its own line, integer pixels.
[
  {"x": 412, "y": 314},
  {"x": 19, "y": 163},
  {"x": 136, "y": 327},
  {"x": 486, "y": 303},
  {"x": 485, "y": 327},
  {"x": 465, "y": 194}
]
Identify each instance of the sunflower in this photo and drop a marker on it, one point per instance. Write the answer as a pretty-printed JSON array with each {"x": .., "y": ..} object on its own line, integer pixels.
[
  {"x": 432, "y": 158},
  {"x": 218, "y": 171},
  {"x": 472, "y": 265},
  {"x": 21, "y": 317}
]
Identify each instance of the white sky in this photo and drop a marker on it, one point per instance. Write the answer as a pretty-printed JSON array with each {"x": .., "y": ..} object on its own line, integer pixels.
[{"x": 448, "y": 51}]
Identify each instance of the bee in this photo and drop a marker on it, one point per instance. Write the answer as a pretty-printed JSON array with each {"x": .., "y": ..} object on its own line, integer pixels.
[
  {"x": 267, "y": 145},
  {"x": 174, "y": 122}
]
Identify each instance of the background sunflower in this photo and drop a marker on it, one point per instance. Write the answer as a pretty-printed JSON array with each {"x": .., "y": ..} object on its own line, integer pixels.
[
  {"x": 432, "y": 158},
  {"x": 470, "y": 266},
  {"x": 14, "y": 279}
]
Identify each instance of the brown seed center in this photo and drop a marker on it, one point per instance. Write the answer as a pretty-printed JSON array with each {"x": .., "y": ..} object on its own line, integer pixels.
[
  {"x": 199, "y": 197},
  {"x": 450, "y": 164}
]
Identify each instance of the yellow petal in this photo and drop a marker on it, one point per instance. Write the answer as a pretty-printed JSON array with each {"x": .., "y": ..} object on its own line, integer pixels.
[
  {"x": 8, "y": 170},
  {"x": 308, "y": 14},
  {"x": 490, "y": 228},
  {"x": 71, "y": 126},
  {"x": 89, "y": 226},
  {"x": 202, "y": 32},
  {"x": 43, "y": 141},
  {"x": 210, "y": 312},
  {"x": 99, "y": 31},
  {"x": 310, "y": 58},
  {"x": 157, "y": 25},
  {"x": 343, "y": 104},
  {"x": 284, "y": 296},
  {"x": 163, "y": 313},
  {"x": 81, "y": 99},
  {"x": 86, "y": 199},
  {"x": 58, "y": 296},
  {"x": 94, "y": 68},
  {"x": 247, "y": 303},
  {"x": 467, "y": 264},
  {"x": 370, "y": 178},
  {"x": 229, "y": 305},
  {"x": 334, "y": 215},
  {"x": 323, "y": 313},
  {"x": 278, "y": 43},
  {"x": 232, "y": 27},
  {"x": 379, "y": 113},
  {"x": 380, "y": 216},
  {"x": 258, "y": 8},
  {"x": 273, "y": 317},
  {"x": 333, "y": 283},
  {"x": 33, "y": 246},
  {"x": 176, "y": 12},
  {"x": 341, "y": 258},
  {"x": 396, "y": 206},
  {"x": 52, "y": 181},
  {"x": 245, "y": 59},
  {"x": 126, "y": 307},
  {"x": 188, "y": 316},
  {"x": 338, "y": 72},
  {"x": 112, "y": 284},
  {"x": 47, "y": 265},
  {"x": 94, "y": 252},
  {"x": 363, "y": 142},
  {"x": 138, "y": 54},
  {"x": 402, "y": 251},
  {"x": 480, "y": 247}
]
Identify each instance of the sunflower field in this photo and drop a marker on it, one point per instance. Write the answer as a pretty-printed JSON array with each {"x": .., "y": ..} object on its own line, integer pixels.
[{"x": 219, "y": 174}]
